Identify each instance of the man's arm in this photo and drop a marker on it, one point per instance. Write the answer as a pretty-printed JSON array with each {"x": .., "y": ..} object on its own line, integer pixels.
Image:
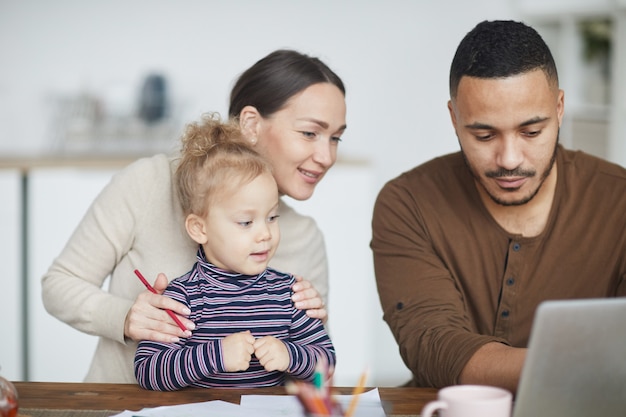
[
  {"x": 425, "y": 308},
  {"x": 494, "y": 364}
]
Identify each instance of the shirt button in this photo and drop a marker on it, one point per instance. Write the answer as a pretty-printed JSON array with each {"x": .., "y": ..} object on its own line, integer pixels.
[
  {"x": 516, "y": 247},
  {"x": 505, "y": 314},
  {"x": 510, "y": 281}
]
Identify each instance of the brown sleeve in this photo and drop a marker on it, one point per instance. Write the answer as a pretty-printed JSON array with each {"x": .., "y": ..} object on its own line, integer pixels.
[{"x": 421, "y": 303}]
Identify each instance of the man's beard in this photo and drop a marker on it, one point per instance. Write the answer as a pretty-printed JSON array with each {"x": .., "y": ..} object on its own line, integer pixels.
[{"x": 517, "y": 172}]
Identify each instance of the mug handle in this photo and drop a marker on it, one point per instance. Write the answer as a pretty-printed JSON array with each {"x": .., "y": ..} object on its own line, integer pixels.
[{"x": 430, "y": 408}]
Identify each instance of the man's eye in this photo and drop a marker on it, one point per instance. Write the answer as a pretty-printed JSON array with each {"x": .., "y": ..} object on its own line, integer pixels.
[
  {"x": 484, "y": 137},
  {"x": 532, "y": 133}
]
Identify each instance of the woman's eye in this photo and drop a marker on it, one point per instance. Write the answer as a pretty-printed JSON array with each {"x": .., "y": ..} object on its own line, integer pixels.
[
  {"x": 310, "y": 135},
  {"x": 336, "y": 139}
]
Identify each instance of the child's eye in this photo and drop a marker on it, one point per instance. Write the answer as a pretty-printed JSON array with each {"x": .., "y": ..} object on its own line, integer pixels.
[
  {"x": 273, "y": 218},
  {"x": 245, "y": 224}
]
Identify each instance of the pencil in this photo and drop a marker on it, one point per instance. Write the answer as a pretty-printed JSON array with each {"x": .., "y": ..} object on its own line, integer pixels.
[
  {"x": 152, "y": 290},
  {"x": 355, "y": 394}
]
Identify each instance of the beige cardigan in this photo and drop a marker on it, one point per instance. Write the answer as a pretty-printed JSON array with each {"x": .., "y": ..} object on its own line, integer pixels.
[{"x": 136, "y": 222}]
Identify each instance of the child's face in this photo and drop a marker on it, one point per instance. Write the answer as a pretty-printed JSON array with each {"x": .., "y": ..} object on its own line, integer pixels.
[{"x": 243, "y": 228}]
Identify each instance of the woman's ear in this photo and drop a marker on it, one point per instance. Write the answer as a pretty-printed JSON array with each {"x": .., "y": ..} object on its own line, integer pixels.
[
  {"x": 249, "y": 122},
  {"x": 196, "y": 228}
]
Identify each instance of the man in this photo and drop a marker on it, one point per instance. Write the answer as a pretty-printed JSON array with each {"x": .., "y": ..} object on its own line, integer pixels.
[{"x": 467, "y": 245}]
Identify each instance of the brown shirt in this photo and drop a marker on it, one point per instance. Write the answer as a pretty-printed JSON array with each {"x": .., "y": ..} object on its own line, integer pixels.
[{"x": 450, "y": 279}]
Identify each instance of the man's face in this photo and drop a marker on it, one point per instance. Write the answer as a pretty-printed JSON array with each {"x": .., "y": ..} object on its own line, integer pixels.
[{"x": 508, "y": 130}]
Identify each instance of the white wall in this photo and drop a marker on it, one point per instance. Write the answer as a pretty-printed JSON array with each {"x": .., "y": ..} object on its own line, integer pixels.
[{"x": 394, "y": 57}]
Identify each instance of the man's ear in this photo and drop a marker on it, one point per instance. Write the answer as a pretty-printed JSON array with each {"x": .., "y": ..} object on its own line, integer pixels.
[
  {"x": 452, "y": 113},
  {"x": 196, "y": 228},
  {"x": 250, "y": 123},
  {"x": 560, "y": 106}
]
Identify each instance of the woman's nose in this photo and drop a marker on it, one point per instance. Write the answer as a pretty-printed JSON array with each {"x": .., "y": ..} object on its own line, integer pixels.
[{"x": 325, "y": 154}]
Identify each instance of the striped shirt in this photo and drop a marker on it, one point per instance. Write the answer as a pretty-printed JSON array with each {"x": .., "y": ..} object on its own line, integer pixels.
[{"x": 224, "y": 303}]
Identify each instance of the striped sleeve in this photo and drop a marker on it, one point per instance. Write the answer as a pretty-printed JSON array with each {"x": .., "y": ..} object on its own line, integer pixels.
[
  {"x": 308, "y": 343},
  {"x": 171, "y": 366}
]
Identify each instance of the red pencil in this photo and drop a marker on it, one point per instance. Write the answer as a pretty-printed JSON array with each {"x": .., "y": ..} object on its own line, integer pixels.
[{"x": 151, "y": 289}]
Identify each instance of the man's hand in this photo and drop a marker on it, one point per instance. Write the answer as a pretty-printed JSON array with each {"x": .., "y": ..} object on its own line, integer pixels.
[{"x": 495, "y": 364}]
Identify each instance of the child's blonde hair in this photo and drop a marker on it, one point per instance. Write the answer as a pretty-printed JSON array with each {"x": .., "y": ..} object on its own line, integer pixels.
[{"x": 215, "y": 159}]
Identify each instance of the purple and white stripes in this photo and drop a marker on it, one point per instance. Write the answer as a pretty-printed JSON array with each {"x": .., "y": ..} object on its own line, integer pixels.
[{"x": 224, "y": 303}]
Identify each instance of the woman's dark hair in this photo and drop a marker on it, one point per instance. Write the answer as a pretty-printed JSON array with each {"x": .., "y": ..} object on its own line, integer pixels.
[
  {"x": 269, "y": 83},
  {"x": 500, "y": 49}
]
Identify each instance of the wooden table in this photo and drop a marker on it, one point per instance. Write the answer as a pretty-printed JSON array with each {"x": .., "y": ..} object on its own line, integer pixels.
[{"x": 120, "y": 397}]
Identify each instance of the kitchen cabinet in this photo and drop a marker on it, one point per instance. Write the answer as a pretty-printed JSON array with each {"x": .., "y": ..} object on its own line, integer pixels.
[
  {"x": 11, "y": 302},
  {"x": 57, "y": 200}
]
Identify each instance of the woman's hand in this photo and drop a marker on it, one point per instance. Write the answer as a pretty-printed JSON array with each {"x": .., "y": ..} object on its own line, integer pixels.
[
  {"x": 148, "y": 320},
  {"x": 307, "y": 298}
]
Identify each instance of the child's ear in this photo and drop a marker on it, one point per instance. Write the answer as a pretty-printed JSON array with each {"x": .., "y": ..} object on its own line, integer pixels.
[
  {"x": 249, "y": 122},
  {"x": 196, "y": 228}
]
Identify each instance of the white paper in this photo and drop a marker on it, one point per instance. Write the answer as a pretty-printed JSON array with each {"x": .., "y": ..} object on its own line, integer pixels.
[
  {"x": 208, "y": 408},
  {"x": 369, "y": 405}
]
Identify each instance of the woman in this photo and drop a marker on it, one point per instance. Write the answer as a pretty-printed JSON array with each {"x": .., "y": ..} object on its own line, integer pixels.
[{"x": 291, "y": 107}]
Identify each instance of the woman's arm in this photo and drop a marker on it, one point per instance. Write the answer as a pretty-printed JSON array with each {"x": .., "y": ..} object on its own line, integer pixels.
[
  {"x": 302, "y": 252},
  {"x": 105, "y": 244}
]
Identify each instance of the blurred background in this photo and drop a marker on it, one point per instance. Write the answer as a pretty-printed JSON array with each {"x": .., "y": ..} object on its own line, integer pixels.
[{"x": 87, "y": 86}]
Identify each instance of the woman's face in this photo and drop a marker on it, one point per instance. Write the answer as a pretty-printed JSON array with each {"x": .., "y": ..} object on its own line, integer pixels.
[{"x": 301, "y": 139}]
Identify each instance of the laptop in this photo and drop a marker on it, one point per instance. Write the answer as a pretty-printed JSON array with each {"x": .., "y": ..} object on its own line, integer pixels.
[{"x": 576, "y": 360}]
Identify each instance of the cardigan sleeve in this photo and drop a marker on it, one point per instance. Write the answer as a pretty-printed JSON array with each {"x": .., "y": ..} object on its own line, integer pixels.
[
  {"x": 302, "y": 250},
  {"x": 72, "y": 288}
]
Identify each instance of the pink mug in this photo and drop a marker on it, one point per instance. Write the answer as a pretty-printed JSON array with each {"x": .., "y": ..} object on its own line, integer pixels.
[{"x": 470, "y": 401}]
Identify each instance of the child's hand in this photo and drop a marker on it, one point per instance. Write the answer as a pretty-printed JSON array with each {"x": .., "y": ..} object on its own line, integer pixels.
[
  {"x": 272, "y": 354},
  {"x": 238, "y": 349}
]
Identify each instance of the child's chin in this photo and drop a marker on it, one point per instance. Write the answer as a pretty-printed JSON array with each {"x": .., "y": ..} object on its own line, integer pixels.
[{"x": 254, "y": 271}]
